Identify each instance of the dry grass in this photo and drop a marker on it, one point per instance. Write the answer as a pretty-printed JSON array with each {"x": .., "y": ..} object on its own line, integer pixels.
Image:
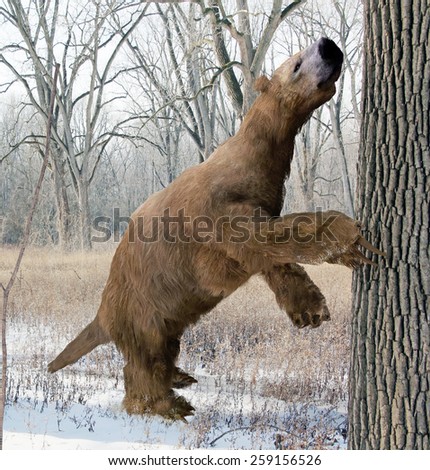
[
  {"x": 256, "y": 340},
  {"x": 51, "y": 282},
  {"x": 247, "y": 331},
  {"x": 247, "y": 343}
]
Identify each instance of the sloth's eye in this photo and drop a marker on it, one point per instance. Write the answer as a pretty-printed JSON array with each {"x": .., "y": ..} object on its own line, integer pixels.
[{"x": 297, "y": 67}]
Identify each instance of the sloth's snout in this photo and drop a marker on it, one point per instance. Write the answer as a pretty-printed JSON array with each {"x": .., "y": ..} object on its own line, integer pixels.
[{"x": 329, "y": 52}]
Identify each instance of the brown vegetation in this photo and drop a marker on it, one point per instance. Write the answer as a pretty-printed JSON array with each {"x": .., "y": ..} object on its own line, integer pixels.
[{"x": 62, "y": 289}]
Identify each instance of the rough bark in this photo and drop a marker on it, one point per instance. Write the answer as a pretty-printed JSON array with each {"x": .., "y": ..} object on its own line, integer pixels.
[{"x": 390, "y": 368}]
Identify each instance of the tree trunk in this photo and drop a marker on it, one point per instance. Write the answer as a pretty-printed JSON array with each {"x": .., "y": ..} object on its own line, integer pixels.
[
  {"x": 389, "y": 394},
  {"x": 84, "y": 213},
  {"x": 348, "y": 195},
  {"x": 62, "y": 200},
  {"x": 233, "y": 86},
  {"x": 4, "y": 299}
]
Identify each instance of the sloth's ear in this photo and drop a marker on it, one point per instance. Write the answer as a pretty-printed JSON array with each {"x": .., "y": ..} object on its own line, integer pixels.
[{"x": 262, "y": 84}]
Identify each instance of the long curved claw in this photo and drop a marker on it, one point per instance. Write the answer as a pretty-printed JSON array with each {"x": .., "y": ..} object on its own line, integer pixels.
[
  {"x": 360, "y": 258},
  {"x": 180, "y": 410},
  {"x": 181, "y": 379},
  {"x": 353, "y": 258},
  {"x": 350, "y": 244},
  {"x": 365, "y": 244}
]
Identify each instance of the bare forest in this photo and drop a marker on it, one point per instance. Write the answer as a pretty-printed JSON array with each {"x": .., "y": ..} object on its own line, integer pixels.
[{"x": 147, "y": 90}]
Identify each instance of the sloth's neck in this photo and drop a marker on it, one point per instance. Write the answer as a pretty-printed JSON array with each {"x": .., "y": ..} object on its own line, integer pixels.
[
  {"x": 269, "y": 130},
  {"x": 267, "y": 134}
]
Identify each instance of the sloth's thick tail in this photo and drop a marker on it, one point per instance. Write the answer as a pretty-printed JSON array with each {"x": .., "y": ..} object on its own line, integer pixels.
[{"x": 89, "y": 338}]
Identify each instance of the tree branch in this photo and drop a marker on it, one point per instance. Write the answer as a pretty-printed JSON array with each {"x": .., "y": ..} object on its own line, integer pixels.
[{"x": 221, "y": 51}]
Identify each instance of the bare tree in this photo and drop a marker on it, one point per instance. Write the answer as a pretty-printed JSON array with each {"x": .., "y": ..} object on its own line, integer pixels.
[
  {"x": 234, "y": 22},
  {"x": 175, "y": 72},
  {"x": 309, "y": 146},
  {"x": 389, "y": 391},
  {"x": 78, "y": 140},
  {"x": 196, "y": 45}
]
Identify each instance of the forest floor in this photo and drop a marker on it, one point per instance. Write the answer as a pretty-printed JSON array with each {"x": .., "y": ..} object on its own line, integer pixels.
[{"x": 262, "y": 383}]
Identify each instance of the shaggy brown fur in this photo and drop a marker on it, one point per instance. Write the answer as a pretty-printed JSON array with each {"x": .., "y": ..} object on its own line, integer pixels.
[{"x": 157, "y": 288}]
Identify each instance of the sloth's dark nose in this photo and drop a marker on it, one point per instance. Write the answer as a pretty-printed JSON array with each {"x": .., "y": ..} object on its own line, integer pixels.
[{"x": 330, "y": 52}]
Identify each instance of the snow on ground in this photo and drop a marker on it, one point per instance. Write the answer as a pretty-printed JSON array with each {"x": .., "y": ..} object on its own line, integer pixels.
[
  {"x": 99, "y": 423},
  {"x": 80, "y": 406}
]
